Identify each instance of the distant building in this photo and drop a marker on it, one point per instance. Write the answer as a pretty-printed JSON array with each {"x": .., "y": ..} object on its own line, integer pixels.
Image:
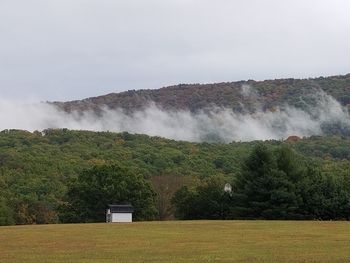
[
  {"x": 293, "y": 138},
  {"x": 119, "y": 213}
]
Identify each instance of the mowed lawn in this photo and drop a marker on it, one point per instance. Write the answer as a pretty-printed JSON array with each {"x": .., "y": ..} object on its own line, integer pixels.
[{"x": 179, "y": 241}]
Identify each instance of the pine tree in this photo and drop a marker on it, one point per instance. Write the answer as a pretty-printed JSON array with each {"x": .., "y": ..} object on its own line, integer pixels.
[{"x": 264, "y": 189}]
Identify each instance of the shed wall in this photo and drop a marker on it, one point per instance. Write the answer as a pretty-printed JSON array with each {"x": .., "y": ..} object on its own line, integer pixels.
[{"x": 121, "y": 217}]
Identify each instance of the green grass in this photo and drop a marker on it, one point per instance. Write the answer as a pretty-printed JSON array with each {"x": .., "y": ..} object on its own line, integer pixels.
[{"x": 179, "y": 241}]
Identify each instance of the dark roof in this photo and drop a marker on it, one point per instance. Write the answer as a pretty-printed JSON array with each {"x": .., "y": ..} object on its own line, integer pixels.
[{"x": 126, "y": 208}]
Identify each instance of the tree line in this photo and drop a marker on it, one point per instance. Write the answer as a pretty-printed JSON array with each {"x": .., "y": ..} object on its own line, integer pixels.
[
  {"x": 273, "y": 184},
  {"x": 42, "y": 174}
]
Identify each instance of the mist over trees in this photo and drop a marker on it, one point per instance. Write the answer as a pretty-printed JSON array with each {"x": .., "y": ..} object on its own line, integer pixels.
[{"x": 222, "y": 112}]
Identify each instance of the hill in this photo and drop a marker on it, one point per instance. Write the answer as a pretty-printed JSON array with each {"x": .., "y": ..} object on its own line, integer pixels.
[{"x": 239, "y": 96}]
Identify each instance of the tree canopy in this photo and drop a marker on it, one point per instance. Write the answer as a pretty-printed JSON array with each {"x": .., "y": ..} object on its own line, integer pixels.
[
  {"x": 38, "y": 169},
  {"x": 95, "y": 188},
  {"x": 273, "y": 184}
]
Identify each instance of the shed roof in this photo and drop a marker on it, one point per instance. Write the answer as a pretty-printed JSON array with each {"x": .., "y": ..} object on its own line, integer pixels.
[{"x": 125, "y": 208}]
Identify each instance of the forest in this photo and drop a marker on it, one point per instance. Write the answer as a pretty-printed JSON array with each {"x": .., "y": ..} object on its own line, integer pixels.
[
  {"x": 47, "y": 177},
  {"x": 268, "y": 95}
]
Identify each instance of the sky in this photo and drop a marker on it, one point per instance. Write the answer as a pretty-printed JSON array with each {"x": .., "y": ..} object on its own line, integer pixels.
[{"x": 65, "y": 50}]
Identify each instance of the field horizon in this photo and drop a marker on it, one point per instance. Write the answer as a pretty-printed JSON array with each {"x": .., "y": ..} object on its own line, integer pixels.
[{"x": 178, "y": 241}]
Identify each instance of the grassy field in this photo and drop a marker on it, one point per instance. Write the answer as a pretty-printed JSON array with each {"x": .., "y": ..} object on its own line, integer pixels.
[{"x": 179, "y": 241}]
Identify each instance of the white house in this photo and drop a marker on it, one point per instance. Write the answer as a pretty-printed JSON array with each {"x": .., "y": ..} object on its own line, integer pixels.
[{"x": 119, "y": 213}]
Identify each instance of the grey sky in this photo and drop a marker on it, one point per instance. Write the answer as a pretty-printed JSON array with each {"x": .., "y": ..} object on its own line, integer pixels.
[{"x": 70, "y": 49}]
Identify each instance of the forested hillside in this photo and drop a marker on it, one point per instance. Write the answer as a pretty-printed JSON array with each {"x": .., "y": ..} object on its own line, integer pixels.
[
  {"x": 37, "y": 168},
  {"x": 266, "y": 94}
]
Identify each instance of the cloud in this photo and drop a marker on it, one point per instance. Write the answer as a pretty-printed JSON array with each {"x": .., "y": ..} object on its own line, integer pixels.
[
  {"x": 63, "y": 49},
  {"x": 215, "y": 124}
]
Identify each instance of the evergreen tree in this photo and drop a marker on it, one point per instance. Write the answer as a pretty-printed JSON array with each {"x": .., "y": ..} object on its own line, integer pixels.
[{"x": 264, "y": 189}]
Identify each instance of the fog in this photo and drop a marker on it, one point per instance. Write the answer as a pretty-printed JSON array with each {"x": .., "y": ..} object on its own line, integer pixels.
[{"x": 214, "y": 124}]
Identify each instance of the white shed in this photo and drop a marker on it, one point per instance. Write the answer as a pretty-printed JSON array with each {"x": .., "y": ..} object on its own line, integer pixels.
[{"x": 119, "y": 213}]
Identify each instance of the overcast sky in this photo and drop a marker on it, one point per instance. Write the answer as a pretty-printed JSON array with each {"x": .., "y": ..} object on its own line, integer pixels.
[{"x": 71, "y": 49}]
